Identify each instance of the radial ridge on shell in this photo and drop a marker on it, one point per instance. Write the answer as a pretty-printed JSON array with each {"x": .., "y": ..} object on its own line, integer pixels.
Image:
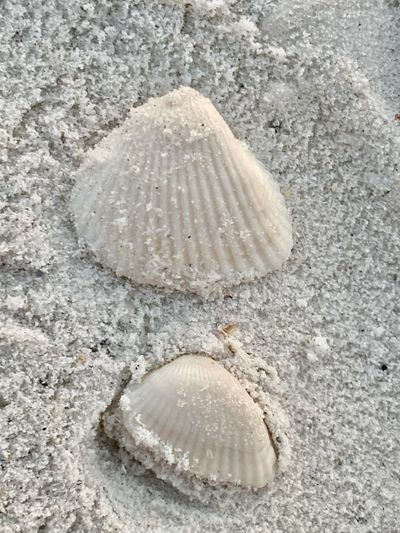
[
  {"x": 172, "y": 199},
  {"x": 194, "y": 415}
]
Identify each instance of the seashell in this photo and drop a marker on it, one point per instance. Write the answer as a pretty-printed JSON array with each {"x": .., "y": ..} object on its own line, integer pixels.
[
  {"x": 193, "y": 414},
  {"x": 172, "y": 199}
]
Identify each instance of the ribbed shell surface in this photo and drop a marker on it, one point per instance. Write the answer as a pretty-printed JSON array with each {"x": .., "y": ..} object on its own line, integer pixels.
[
  {"x": 198, "y": 409},
  {"x": 172, "y": 199}
]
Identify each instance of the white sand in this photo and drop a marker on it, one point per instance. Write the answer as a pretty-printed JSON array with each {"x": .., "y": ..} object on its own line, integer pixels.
[{"x": 313, "y": 88}]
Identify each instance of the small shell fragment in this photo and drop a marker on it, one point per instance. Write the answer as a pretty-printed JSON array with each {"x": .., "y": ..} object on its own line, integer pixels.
[
  {"x": 193, "y": 414},
  {"x": 172, "y": 199}
]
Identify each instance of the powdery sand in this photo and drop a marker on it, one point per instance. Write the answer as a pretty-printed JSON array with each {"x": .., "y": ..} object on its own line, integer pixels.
[{"x": 313, "y": 89}]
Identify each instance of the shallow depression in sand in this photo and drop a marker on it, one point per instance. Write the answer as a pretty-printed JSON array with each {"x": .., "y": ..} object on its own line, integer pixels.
[{"x": 132, "y": 491}]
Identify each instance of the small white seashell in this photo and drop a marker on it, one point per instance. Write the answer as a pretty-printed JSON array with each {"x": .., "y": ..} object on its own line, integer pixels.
[
  {"x": 193, "y": 414},
  {"x": 172, "y": 199}
]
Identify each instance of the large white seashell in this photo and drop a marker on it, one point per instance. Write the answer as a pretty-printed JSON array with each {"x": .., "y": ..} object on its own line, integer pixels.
[
  {"x": 193, "y": 414},
  {"x": 172, "y": 199}
]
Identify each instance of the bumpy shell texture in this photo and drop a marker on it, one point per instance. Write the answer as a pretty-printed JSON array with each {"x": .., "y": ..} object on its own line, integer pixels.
[
  {"x": 172, "y": 199},
  {"x": 193, "y": 414}
]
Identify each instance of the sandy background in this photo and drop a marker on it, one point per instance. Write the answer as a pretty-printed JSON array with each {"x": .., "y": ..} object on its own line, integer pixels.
[{"x": 313, "y": 88}]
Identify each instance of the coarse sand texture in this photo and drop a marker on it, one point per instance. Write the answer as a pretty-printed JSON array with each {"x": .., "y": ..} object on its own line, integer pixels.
[{"x": 311, "y": 90}]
